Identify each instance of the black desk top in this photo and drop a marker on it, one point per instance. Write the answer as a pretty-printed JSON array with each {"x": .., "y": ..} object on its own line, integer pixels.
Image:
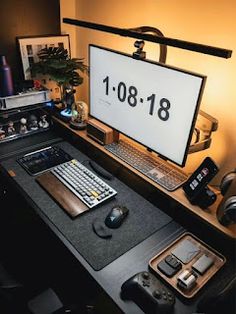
[{"x": 110, "y": 277}]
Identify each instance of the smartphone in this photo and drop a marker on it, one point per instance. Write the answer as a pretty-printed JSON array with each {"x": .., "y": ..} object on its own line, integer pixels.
[{"x": 200, "y": 178}]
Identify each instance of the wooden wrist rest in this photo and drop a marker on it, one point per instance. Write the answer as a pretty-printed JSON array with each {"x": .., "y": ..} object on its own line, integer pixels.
[{"x": 61, "y": 194}]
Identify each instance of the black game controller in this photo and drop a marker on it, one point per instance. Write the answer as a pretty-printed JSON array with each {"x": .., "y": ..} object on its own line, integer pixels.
[{"x": 148, "y": 293}]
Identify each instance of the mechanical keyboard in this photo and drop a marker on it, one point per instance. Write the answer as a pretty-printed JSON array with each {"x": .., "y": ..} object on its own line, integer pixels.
[
  {"x": 43, "y": 159},
  {"x": 156, "y": 169},
  {"x": 88, "y": 187}
]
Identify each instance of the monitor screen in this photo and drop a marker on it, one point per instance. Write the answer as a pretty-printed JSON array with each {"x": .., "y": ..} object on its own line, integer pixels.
[{"x": 152, "y": 103}]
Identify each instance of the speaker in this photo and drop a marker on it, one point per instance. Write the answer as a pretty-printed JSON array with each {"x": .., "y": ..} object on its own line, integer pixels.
[
  {"x": 101, "y": 132},
  {"x": 227, "y": 208}
]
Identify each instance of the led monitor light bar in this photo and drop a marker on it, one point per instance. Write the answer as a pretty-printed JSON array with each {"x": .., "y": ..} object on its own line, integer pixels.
[{"x": 210, "y": 50}]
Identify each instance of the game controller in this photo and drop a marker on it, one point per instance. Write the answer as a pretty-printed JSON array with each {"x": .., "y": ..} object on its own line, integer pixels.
[{"x": 148, "y": 293}]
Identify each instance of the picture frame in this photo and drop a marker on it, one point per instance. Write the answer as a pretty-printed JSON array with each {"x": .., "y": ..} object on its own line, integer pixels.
[
  {"x": 31, "y": 45},
  {"x": 28, "y": 49}
]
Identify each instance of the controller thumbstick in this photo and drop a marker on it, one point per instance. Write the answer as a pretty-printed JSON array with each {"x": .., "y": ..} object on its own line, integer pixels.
[
  {"x": 145, "y": 275},
  {"x": 157, "y": 294}
]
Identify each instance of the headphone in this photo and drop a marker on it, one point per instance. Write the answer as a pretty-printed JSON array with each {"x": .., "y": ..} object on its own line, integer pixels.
[
  {"x": 226, "y": 181},
  {"x": 227, "y": 207}
]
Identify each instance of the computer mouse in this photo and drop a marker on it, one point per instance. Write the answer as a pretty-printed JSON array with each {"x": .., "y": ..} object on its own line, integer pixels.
[{"x": 116, "y": 216}]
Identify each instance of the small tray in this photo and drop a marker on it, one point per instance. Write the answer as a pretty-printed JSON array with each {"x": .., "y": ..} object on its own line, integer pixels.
[{"x": 219, "y": 261}]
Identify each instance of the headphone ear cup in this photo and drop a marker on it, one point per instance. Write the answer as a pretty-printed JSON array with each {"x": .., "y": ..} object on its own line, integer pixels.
[
  {"x": 229, "y": 210},
  {"x": 226, "y": 211},
  {"x": 226, "y": 181}
]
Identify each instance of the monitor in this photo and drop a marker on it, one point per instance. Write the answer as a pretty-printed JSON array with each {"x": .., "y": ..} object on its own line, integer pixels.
[{"x": 150, "y": 102}]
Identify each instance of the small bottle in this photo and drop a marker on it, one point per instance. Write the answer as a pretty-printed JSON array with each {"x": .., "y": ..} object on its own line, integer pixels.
[{"x": 6, "y": 83}]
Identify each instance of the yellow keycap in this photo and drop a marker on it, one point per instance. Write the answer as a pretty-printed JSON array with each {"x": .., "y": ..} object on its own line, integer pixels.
[{"x": 95, "y": 194}]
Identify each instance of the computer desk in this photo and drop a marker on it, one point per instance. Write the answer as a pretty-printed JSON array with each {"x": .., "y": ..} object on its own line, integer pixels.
[
  {"x": 177, "y": 197},
  {"x": 111, "y": 277}
]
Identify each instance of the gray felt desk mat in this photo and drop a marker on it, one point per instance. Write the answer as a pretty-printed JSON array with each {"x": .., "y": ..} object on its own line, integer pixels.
[{"x": 143, "y": 220}]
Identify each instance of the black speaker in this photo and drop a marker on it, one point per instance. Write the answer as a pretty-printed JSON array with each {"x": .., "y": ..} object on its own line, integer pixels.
[{"x": 227, "y": 208}]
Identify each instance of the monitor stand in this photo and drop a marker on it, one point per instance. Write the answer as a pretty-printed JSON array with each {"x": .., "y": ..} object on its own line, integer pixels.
[{"x": 205, "y": 125}]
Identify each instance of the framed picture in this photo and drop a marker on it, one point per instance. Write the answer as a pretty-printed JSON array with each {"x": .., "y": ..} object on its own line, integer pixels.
[{"x": 29, "y": 48}]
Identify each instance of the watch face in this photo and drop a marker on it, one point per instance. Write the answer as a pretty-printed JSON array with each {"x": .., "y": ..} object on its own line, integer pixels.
[{"x": 200, "y": 178}]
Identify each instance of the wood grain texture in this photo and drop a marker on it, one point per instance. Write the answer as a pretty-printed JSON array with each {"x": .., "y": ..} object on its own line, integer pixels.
[
  {"x": 66, "y": 199},
  {"x": 219, "y": 261}
]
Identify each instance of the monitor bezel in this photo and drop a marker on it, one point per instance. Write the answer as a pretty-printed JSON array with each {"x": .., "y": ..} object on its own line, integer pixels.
[{"x": 197, "y": 107}]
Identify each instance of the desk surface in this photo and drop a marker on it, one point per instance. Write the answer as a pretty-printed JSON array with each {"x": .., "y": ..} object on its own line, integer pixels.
[
  {"x": 111, "y": 277},
  {"x": 207, "y": 216}
]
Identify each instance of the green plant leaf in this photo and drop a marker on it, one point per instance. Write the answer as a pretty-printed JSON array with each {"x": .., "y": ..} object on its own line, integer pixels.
[{"x": 55, "y": 62}]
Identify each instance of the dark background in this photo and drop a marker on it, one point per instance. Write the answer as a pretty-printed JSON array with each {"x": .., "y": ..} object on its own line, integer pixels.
[{"x": 25, "y": 18}]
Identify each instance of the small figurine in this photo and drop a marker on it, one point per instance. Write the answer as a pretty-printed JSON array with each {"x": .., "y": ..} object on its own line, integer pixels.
[
  {"x": 2, "y": 133},
  {"x": 10, "y": 129},
  {"x": 79, "y": 115},
  {"x": 33, "y": 122},
  {"x": 68, "y": 100},
  {"x": 43, "y": 123},
  {"x": 23, "y": 126}
]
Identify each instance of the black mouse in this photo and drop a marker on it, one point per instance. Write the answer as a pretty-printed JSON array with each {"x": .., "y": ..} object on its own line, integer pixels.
[{"x": 116, "y": 216}]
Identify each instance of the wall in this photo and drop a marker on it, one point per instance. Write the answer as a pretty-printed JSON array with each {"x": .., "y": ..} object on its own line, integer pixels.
[
  {"x": 68, "y": 8},
  {"x": 208, "y": 22},
  {"x": 25, "y": 18}
]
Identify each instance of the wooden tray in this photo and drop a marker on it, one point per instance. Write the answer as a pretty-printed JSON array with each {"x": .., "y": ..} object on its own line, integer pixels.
[{"x": 219, "y": 261}]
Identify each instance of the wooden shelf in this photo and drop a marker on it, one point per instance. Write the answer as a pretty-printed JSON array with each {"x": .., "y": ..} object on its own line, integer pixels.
[{"x": 208, "y": 215}]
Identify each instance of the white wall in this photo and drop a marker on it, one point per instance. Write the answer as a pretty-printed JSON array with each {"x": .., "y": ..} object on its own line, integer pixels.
[{"x": 208, "y": 22}]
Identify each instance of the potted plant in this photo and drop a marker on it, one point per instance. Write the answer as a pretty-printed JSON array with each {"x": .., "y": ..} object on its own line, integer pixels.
[{"x": 57, "y": 64}]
